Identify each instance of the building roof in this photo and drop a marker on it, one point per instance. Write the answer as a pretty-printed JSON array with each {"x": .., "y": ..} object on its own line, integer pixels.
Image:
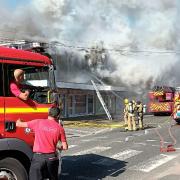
[{"x": 81, "y": 86}]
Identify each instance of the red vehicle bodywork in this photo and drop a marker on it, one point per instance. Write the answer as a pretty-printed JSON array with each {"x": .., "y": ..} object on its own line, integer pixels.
[
  {"x": 15, "y": 142},
  {"x": 161, "y": 100},
  {"x": 15, "y": 56}
]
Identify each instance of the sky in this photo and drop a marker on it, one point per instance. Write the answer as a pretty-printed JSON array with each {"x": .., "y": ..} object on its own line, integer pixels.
[
  {"x": 146, "y": 31},
  {"x": 14, "y": 3}
]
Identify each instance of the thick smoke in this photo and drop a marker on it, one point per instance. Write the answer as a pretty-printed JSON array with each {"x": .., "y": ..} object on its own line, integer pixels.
[{"x": 136, "y": 33}]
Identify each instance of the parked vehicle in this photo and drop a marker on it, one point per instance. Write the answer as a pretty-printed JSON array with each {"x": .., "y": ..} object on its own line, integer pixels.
[
  {"x": 161, "y": 100},
  {"x": 16, "y": 143}
]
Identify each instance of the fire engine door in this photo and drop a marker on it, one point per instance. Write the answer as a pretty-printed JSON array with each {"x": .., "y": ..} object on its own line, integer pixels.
[{"x": 16, "y": 108}]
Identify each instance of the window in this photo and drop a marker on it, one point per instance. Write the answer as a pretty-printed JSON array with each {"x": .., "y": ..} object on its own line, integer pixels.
[
  {"x": 70, "y": 105},
  {"x": 99, "y": 107},
  {"x": 62, "y": 105},
  {"x": 90, "y": 104},
  {"x": 80, "y": 104},
  {"x": 112, "y": 104}
]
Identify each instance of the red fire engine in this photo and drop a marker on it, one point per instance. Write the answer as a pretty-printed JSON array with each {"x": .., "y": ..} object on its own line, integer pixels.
[
  {"x": 161, "y": 100},
  {"x": 16, "y": 143}
]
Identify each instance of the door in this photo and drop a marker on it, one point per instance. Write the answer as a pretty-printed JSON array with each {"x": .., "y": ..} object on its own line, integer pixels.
[{"x": 16, "y": 108}]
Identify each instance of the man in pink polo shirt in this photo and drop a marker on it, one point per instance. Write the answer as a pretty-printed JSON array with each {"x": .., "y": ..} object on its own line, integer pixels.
[
  {"x": 47, "y": 134},
  {"x": 16, "y": 85}
]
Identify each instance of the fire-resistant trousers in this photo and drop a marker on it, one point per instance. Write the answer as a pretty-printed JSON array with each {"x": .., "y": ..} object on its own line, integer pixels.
[
  {"x": 125, "y": 118},
  {"x": 131, "y": 122},
  {"x": 140, "y": 120},
  {"x": 44, "y": 166}
]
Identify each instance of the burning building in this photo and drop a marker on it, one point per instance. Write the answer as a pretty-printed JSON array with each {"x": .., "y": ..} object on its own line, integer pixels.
[{"x": 74, "y": 74}]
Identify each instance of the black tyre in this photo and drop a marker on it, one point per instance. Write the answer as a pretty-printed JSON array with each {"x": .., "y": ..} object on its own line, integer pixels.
[
  {"x": 177, "y": 121},
  {"x": 11, "y": 168},
  {"x": 156, "y": 114}
]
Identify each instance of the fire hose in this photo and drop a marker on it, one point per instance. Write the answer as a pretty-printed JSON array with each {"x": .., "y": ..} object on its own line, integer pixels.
[{"x": 169, "y": 147}]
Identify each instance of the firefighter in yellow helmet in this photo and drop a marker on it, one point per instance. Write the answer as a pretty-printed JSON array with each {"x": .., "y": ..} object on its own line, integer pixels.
[
  {"x": 131, "y": 116},
  {"x": 126, "y": 101},
  {"x": 139, "y": 109}
]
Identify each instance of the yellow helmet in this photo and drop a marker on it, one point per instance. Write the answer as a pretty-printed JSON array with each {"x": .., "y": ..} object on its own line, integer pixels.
[{"x": 126, "y": 101}]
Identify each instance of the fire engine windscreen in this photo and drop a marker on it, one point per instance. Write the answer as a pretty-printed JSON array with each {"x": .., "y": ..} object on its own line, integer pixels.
[
  {"x": 37, "y": 76},
  {"x": 42, "y": 79}
]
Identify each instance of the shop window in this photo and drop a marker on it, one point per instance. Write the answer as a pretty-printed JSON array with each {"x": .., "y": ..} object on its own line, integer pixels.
[
  {"x": 80, "y": 104},
  {"x": 112, "y": 104},
  {"x": 62, "y": 105},
  {"x": 99, "y": 107},
  {"x": 90, "y": 104},
  {"x": 70, "y": 105}
]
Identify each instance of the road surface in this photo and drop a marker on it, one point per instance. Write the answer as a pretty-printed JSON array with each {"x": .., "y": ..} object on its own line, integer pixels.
[{"x": 110, "y": 154}]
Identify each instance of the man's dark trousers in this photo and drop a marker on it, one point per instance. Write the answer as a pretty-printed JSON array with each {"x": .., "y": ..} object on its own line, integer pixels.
[{"x": 44, "y": 166}]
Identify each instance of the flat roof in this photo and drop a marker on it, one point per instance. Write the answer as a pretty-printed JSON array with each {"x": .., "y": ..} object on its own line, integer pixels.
[{"x": 67, "y": 85}]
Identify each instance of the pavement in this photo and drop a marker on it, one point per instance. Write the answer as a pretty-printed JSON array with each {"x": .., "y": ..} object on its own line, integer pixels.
[{"x": 101, "y": 123}]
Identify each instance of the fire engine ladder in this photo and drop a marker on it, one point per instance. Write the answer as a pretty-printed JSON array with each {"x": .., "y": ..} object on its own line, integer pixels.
[{"x": 101, "y": 100}]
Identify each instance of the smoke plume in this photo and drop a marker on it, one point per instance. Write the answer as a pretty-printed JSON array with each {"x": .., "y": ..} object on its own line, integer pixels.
[{"x": 141, "y": 37}]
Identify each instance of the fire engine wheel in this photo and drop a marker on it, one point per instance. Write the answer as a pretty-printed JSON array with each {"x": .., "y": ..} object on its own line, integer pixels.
[
  {"x": 12, "y": 169},
  {"x": 177, "y": 121}
]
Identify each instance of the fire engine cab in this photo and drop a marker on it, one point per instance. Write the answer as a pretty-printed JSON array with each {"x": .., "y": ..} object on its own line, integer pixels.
[{"x": 16, "y": 143}]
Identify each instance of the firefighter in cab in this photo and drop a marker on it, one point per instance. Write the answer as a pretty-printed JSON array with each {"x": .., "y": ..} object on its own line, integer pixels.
[
  {"x": 131, "y": 116},
  {"x": 126, "y": 101},
  {"x": 139, "y": 110}
]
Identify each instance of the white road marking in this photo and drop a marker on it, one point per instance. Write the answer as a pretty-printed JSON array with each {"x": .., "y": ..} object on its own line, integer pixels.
[
  {"x": 152, "y": 163},
  {"x": 87, "y": 140},
  {"x": 117, "y": 141},
  {"x": 125, "y": 154},
  {"x": 128, "y": 138},
  {"x": 151, "y": 140},
  {"x": 177, "y": 148},
  {"x": 71, "y": 146},
  {"x": 147, "y": 131},
  {"x": 83, "y": 133},
  {"x": 119, "y": 156},
  {"x": 102, "y": 137},
  {"x": 96, "y": 149},
  {"x": 155, "y": 145},
  {"x": 138, "y": 134},
  {"x": 94, "y": 139},
  {"x": 77, "y": 130},
  {"x": 166, "y": 142},
  {"x": 102, "y": 130},
  {"x": 121, "y": 169},
  {"x": 144, "y": 144}
]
